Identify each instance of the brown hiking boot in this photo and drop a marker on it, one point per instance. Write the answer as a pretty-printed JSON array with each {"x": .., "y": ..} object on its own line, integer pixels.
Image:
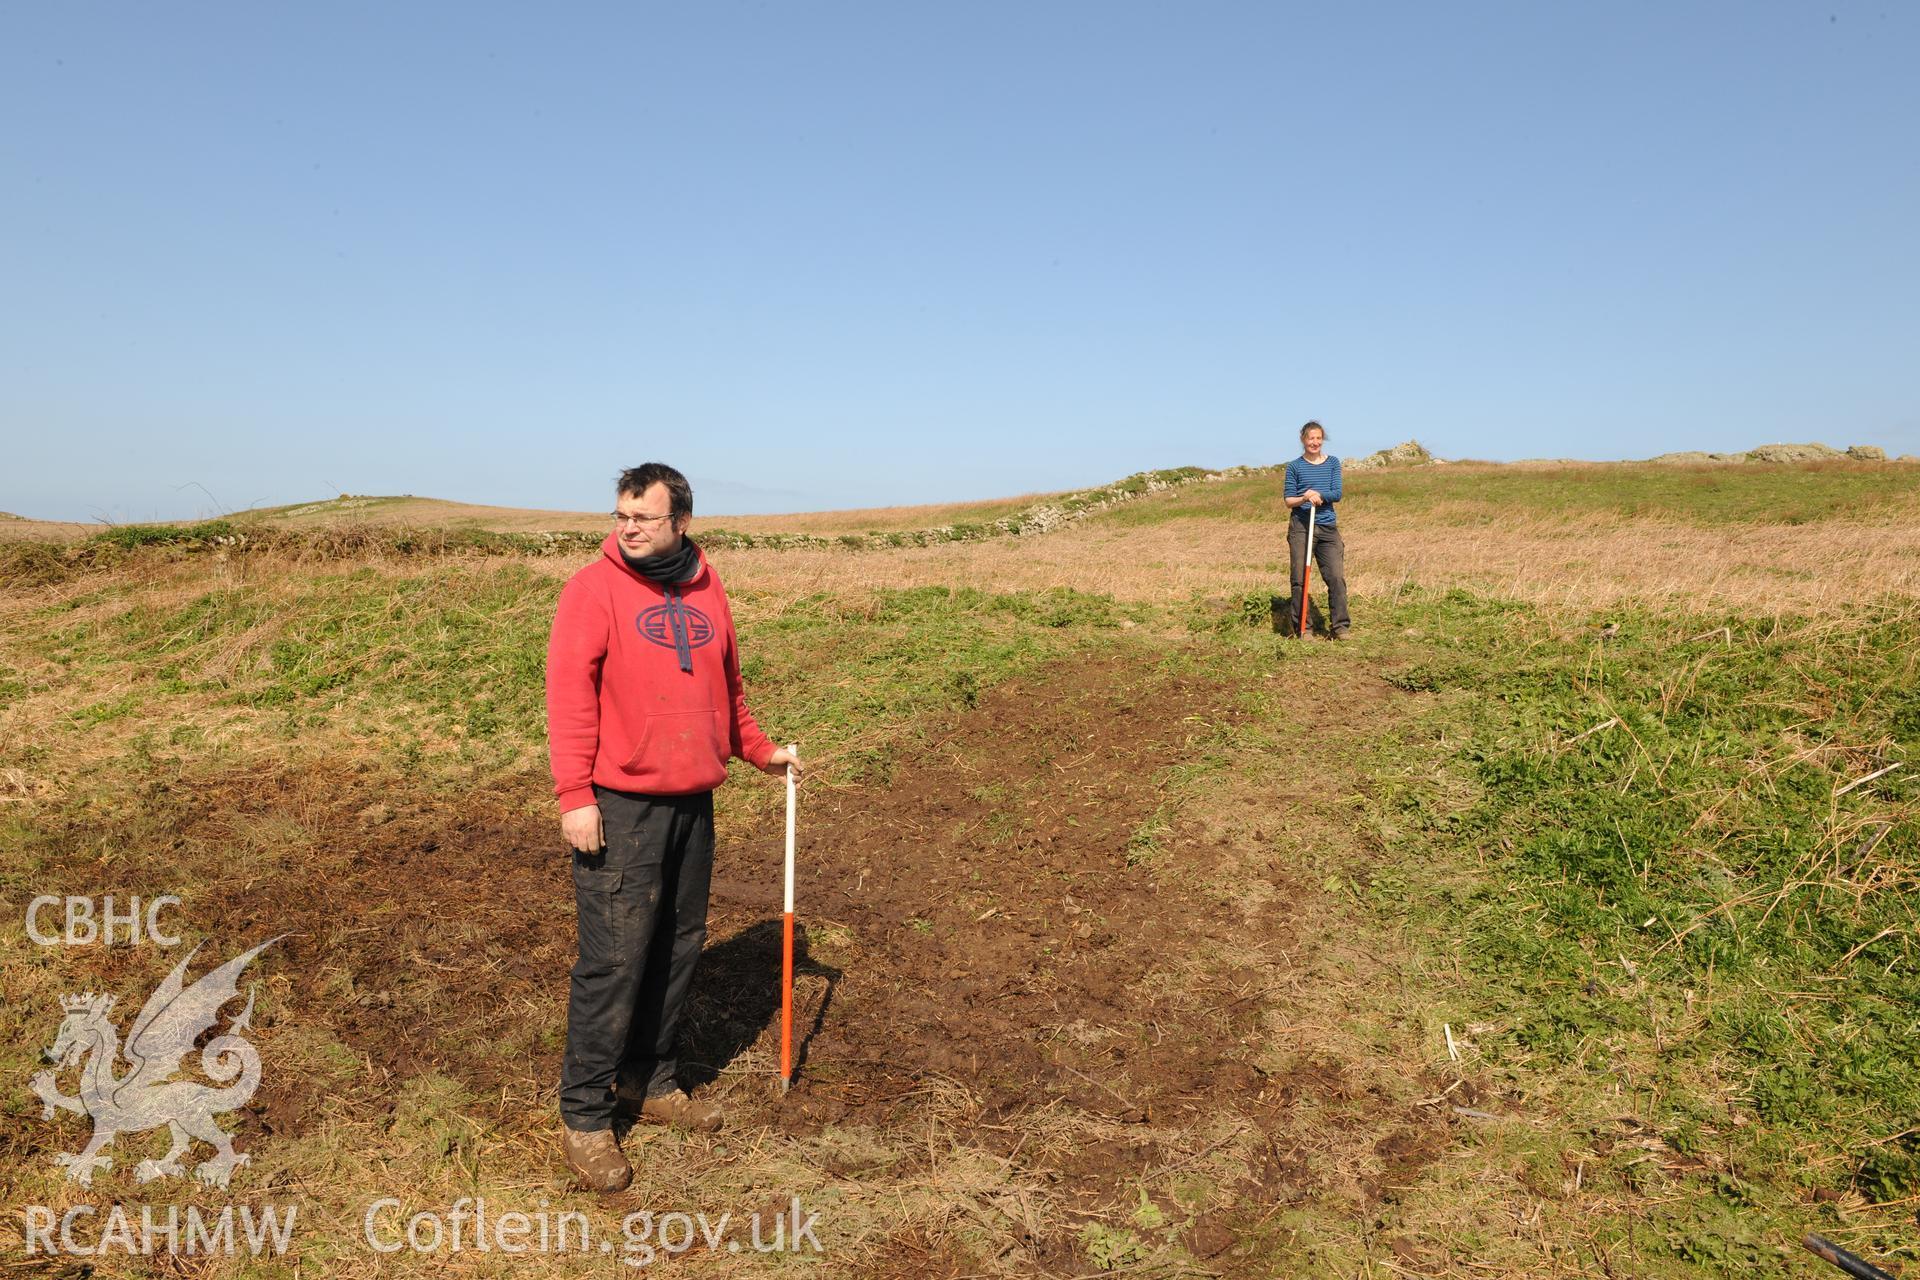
[
  {"x": 677, "y": 1108},
  {"x": 596, "y": 1160}
]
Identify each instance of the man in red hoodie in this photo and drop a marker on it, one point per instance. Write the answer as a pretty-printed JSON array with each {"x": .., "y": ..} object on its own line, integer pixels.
[{"x": 644, "y": 709}]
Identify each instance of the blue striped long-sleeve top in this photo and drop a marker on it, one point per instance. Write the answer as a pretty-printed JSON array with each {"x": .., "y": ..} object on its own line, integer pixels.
[{"x": 1323, "y": 476}]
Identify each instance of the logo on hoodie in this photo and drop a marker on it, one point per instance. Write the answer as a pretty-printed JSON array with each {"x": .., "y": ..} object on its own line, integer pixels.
[{"x": 656, "y": 624}]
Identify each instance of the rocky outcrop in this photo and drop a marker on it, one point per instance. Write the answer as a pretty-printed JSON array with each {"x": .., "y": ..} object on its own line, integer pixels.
[
  {"x": 1410, "y": 453},
  {"x": 1793, "y": 453},
  {"x": 1780, "y": 453}
]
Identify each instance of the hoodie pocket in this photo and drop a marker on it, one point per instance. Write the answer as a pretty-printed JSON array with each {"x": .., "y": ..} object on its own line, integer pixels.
[{"x": 680, "y": 749}]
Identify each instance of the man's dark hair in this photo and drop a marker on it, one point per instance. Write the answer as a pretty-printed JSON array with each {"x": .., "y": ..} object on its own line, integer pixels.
[
  {"x": 635, "y": 481},
  {"x": 1312, "y": 426}
]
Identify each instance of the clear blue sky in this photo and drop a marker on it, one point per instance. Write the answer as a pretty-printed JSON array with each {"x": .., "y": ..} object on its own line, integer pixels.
[{"x": 824, "y": 255}]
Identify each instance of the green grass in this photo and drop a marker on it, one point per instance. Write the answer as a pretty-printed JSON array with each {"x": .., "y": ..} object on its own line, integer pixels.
[
  {"x": 1747, "y": 493},
  {"x": 848, "y": 678},
  {"x": 442, "y": 670},
  {"x": 356, "y": 503},
  {"x": 1678, "y": 915},
  {"x": 128, "y": 536}
]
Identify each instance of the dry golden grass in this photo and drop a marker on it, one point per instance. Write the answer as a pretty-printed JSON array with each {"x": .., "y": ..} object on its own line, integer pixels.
[
  {"x": 24, "y": 530},
  {"x": 1542, "y": 561}
]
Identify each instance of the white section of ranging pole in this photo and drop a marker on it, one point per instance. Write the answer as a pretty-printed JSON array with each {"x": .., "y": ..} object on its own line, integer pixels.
[{"x": 793, "y": 749}]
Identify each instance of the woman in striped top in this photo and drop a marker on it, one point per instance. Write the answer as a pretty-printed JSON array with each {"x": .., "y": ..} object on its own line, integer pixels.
[{"x": 1312, "y": 487}]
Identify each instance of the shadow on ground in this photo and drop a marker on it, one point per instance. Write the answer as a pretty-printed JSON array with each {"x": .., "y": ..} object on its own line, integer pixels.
[{"x": 736, "y": 996}]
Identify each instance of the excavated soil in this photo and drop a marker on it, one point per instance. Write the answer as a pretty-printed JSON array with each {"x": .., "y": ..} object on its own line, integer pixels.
[{"x": 984, "y": 919}]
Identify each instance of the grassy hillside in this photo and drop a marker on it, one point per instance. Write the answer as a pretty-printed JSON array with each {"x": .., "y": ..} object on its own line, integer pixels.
[
  {"x": 1595, "y": 496},
  {"x": 1560, "y": 922},
  {"x": 409, "y": 512},
  {"x": 436, "y": 513},
  {"x": 1473, "y": 493}
]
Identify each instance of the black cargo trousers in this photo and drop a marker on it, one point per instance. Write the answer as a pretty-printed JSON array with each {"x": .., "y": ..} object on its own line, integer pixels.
[{"x": 642, "y": 905}]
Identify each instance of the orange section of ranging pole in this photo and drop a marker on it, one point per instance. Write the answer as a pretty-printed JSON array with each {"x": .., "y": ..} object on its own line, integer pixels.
[{"x": 786, "y": 1004}]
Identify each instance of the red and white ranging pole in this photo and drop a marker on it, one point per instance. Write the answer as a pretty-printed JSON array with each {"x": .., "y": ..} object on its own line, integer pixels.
[
  {"x": 786, "y": 944},
  {"x": 1306, "y": 571}
]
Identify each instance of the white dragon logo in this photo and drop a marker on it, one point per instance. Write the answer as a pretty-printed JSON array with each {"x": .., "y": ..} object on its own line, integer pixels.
[{"x": 146, "y": 1097}]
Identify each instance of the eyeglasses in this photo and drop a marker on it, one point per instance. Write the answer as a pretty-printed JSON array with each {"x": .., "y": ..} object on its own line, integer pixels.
[{"x": 638, "y": 520}]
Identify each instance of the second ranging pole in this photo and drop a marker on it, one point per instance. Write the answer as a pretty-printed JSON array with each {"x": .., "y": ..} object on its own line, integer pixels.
[{"x": 1306, "y": 574}]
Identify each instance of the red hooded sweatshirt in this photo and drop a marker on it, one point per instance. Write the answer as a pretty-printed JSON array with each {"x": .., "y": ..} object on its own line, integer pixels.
[{"x": 620, "y": 710}]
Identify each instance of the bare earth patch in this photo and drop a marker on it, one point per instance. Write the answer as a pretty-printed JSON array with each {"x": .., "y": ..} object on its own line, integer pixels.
[{"x": 1040, "y": 1023}]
